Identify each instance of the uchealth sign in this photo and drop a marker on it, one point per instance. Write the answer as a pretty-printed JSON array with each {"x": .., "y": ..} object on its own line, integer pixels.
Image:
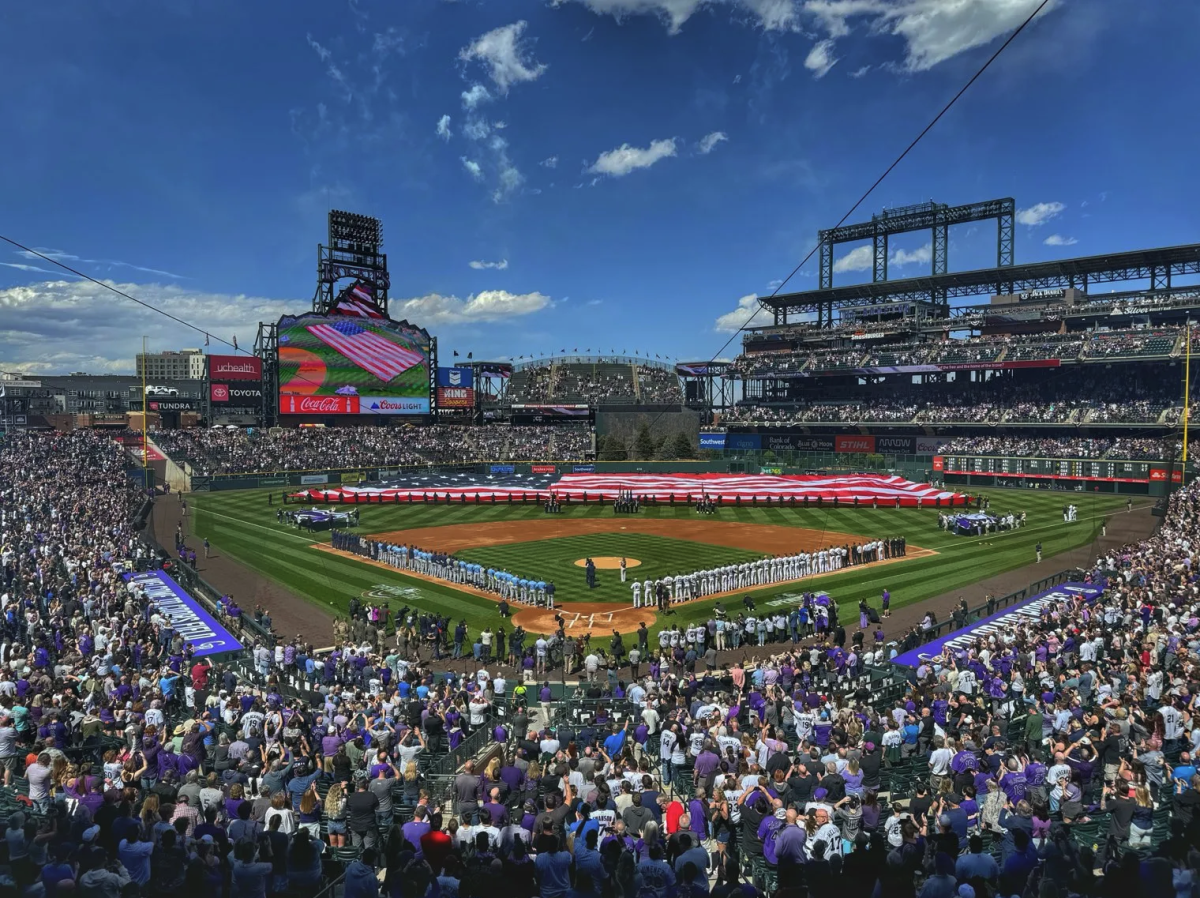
[
  {"x": 1001, "y": 622},
  {"x": 318, "y": 405},
  {"x": 234, "y": 367}
]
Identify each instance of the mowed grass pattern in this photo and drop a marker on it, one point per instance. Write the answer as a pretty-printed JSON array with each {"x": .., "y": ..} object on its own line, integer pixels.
[{"x": 242, "y": 525}]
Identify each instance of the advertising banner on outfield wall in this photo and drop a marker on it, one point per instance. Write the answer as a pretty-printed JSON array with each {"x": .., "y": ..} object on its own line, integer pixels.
[
  {"x": 1005, "y": 621},
  {"x": 895, "y": 445},
  {"x": 927, "y": 445},
  {"x": 745, "y": 441},
  {"x": 543, "y": 469},
  {"x": 455, "y": 397},
  {"x": 712, "y": 440},
  {"x": 583, "y": 469},
  {"x": 313, "y": 479},
  {"x": 939, "y": 463},
  {"x": 503, "y": 469},
  {"x": 854, "y": 443},
  {"x": 192, "y": 622},
  {"x": 234, "y": 367}
]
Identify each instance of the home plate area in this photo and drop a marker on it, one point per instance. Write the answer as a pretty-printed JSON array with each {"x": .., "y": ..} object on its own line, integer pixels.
[{"x": 584, "y": 618}]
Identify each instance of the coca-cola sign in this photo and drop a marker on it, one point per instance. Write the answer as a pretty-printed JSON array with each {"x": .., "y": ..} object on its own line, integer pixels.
[
  {"x": 318, "y": 405},
  {"x": 234, "y": 367}
]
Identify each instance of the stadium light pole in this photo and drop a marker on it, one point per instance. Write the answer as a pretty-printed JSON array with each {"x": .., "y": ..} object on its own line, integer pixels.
[{"x": 145, "y": 412}]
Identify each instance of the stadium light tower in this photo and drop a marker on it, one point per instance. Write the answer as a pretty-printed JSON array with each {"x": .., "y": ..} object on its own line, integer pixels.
[{"x": 353, "y": 251}]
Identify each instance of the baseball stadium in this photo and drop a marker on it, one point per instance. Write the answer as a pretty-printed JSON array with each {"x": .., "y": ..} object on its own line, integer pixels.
[{"x": 895, "y": 592}]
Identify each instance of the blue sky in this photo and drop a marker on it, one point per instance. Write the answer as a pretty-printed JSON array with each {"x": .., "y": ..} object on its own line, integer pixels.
[{"x": 623, "y": 174}]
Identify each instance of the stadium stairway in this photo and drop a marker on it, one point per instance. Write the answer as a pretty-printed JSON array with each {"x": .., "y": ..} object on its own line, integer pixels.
[{"x": 637, "y": 383}]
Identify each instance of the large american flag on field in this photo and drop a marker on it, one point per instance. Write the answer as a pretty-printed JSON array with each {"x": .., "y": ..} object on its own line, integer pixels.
[
  {"x": 722, "y": 487},
  {"x": 846, "y": 487},
  {"x": 367, "y": 349},
  {"x": 358, "y": 301}
]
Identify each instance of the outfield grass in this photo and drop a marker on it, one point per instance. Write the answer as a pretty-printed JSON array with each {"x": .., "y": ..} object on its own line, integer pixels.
[{"x": 240, "y": 524}]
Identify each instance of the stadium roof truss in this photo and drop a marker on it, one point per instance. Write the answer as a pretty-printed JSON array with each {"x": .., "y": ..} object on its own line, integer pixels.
[{"x": 1156, "y": 266}]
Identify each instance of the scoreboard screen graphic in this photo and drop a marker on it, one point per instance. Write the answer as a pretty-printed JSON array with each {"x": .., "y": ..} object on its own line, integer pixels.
[
  {"x": 1101, "y": 470},
  {"x": 335, "y": 364}
]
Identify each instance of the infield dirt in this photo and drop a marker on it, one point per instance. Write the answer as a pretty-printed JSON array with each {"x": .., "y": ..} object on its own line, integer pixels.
[{"x": 767, "y": 539}]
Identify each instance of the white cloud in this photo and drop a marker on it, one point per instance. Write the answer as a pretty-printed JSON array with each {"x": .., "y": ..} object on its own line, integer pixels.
[
  {"x": 476, "y": 129},
  {"x": 594, "y": 302},
  {"x": 499, "y": 266},
  {"x": 473, "y": 168},
  {"x": 709, "y": 141},
  {"x": 1039, "y": 214},
  {"x": 501, "y": 53},
  {"x": 858, "y": 73},
  {"x": 933, "y": 30},
  {"x": 775, "y": 283},
  {"x": 508, "y": 178},
  {"x": 1059, "y": 240},
  {"x": 40, "y": 254},
  {"x": 624, "y": 159},
  {"x": 770, "y": 15},
  {"x": 549, "y": 162},
  {"x": 923, "y": 254},
  {"x": 732, "y": 322},
  {"x": 820, "y": 59},
  {"x": 443, "y": 127},
  {"x": 21, "y": 266},
  {"x": 57, "y": 326},
  {"x": 861, "y": 258},
  {"x": 434, "y": 309},
  {"x": 475, "y": 95}
]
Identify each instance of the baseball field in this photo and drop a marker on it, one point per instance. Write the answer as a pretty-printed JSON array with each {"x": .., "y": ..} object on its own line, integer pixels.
[{"x": 658, "y": 541}]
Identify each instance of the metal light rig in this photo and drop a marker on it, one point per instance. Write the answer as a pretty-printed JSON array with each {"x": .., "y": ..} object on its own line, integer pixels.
[{"x": 352, "y": 252}]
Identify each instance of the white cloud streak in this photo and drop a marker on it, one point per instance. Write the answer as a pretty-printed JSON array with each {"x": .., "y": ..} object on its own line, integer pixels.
[
  {"x": 923, "y": 254},
  {"x": 624, "y": 159},
  {"x": 1039, "y": 213},
  {"x": 732, "y": 322},
  {"x": 770, "y": 15},
  {"x": 58, "y": 326},
  {"x": 502, "y": 53},
  {"x": 861, "y": 258},
  {"x": 437, "y": 310},
  {"x": 1059, "y": 240},
  {"x": 481, "y": 266},
  {"x": 474, "y": 169},
  {"x": 475, "y": 95},
  {"x": 820, "y": 59},
  {"x": 40, "y": 254},
  {"x": 709, "y": 141},
  {"x": 443, "y": 127},
  {"x": 549, "y": 162}
]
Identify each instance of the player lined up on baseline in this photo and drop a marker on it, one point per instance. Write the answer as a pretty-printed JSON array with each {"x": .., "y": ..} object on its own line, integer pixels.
[
  {"x": 446, "y": 567},
  {"x": 765, "y": 571}
]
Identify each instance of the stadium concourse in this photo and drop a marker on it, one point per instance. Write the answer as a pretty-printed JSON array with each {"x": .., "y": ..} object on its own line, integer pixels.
[{"x": 1050, "y": 753}]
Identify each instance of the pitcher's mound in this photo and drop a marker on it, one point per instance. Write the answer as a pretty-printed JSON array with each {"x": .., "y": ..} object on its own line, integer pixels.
[{"x": 608, "y": 562}]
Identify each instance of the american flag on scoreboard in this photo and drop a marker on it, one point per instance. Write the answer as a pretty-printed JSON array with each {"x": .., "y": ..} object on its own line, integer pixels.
[
  {"x": 358, "y": 302},
  {"x": 367, "y": 349}
]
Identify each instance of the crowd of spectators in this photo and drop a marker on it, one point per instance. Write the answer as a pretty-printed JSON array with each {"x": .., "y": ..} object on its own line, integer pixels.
[
  {"x": 221, "y": 450},
  {"x": 598, "y": 382},
  {"x": 1052, "y": 756},
  {"x": 1159, "y": 341}
]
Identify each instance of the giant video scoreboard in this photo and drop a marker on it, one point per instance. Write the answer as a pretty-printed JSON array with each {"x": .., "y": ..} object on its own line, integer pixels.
[{"x": 1099, "y": 470}]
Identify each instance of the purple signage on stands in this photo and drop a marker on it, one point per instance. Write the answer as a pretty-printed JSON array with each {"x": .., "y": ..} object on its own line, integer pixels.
[
  {"x": 1001, "y": 620},
  {"x": 199, "y": 630}
]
